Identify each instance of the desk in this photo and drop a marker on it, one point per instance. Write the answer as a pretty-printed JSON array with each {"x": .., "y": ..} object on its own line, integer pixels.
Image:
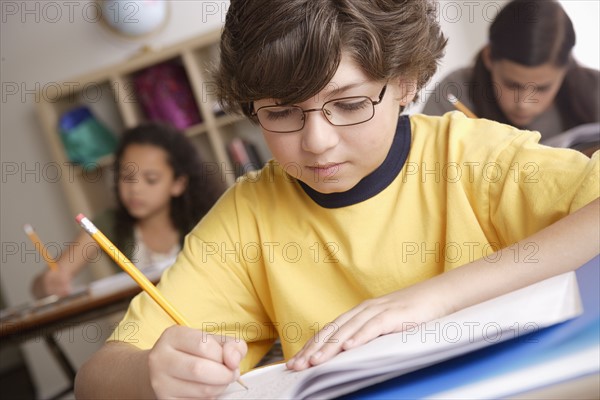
[
  {"x": 482, "y": 364},
  {"x": 46, "y": 319}
]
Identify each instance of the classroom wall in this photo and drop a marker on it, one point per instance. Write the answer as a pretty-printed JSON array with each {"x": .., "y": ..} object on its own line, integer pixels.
[{"x": 38, "y": 47}]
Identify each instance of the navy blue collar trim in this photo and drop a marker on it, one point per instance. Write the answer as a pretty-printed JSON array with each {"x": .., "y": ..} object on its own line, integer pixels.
[{"x": 376, "y": 181}]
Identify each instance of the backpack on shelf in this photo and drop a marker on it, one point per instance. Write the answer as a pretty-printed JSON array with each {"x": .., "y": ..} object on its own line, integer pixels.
[
  {"x": 84, "y": 137},
  {"x": 165, "y": 95}
]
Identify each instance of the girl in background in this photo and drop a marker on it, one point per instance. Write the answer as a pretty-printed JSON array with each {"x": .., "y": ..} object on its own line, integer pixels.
[
  {"x": 161, "y": 194},
  {"x": 526, "y": 76}
]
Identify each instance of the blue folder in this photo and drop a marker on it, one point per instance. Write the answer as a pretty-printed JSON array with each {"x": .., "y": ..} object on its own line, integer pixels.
[{"x": 532, "y": 349}]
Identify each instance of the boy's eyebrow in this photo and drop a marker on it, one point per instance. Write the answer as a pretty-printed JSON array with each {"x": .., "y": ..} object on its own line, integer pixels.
[
  {"x": 330, "y": 90},
  {"x": 337, "y": 89}
]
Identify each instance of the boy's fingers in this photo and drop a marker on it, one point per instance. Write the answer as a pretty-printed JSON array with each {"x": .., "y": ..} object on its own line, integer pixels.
[
  {"x": 329, "y": 335},
  {"x": 234, "y": 350},
  {"x": 174, "y": 387},
  {"x": 374, "y": 328},
  {"x": 327, "y": 343},
  {"x": 195, "y": 342},
  {"x": 201, "y": 370},
  {"x": 220, "y": 349}
]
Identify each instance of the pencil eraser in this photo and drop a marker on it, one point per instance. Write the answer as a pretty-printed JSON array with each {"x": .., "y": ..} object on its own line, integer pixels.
[
  {"x": 79, "y": 217},
  {"x": 28, "y": 228}
]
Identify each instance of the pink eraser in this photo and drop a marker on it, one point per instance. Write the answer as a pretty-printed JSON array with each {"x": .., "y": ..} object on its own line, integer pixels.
[{"x": 79, "y": 217}]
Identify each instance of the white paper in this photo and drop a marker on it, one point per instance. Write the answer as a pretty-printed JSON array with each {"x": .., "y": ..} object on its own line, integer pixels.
[
  {"x": 121, "y": 281},
  {"x": 506, "y": 317}
]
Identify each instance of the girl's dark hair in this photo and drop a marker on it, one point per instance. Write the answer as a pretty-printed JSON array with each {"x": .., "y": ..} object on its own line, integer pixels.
[
  {"x": 533, "y": 33},
  {"x": 290, "y": 49},
  {"x": 201, "y": 191}
]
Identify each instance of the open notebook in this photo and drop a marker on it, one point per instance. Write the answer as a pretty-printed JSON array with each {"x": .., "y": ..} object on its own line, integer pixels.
[{"x": 506, "y": 317}]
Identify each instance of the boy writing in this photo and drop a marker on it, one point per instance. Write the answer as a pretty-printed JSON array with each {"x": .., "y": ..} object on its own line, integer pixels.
[{"x": 363, "y": 222}]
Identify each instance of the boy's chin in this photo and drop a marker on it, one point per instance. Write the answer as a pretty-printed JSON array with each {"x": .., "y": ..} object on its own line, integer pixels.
[{"x": 330, "y": 186}]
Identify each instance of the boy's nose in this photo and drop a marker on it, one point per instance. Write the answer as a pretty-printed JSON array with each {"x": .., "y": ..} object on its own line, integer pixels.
[{"x": 318, "y": 135}]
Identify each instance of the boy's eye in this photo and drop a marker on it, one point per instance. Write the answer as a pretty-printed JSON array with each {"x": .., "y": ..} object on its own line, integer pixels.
[
  {"x": 277, "y": 113},
  {"x": 350, "y": 105}
]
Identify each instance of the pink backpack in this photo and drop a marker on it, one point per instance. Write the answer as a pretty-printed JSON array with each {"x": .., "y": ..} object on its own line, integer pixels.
[{"x": 166, "y": 96}]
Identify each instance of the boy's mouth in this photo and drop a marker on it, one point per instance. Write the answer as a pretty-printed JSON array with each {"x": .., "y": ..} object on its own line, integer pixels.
[{"x": 325, "y": 169}]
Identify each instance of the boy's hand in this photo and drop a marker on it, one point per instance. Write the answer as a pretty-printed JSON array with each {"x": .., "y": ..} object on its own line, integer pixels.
[
  {"x": 391, "y": 313},
  {"x": 189, "y": 363}
]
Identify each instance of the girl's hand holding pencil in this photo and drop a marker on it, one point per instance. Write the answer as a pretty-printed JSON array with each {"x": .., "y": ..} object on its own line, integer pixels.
[
  {"x": 184, "y": 362},
  {"x": 55, "y": 280},
  {"x": 39, "y": 246}
]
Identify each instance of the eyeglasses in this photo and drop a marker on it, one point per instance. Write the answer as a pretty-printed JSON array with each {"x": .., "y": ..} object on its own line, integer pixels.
[{"x": 345, "y": 111}]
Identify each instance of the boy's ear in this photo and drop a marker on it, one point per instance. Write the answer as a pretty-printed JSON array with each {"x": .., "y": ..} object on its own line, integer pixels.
[
  {"x": 407, "y": 90},
  {"x": 179, "y": 185},
  {"x": 486, "y": 56}
]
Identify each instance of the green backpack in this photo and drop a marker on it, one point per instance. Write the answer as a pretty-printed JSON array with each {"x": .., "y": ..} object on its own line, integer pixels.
[{"x": 84, "y": 137}]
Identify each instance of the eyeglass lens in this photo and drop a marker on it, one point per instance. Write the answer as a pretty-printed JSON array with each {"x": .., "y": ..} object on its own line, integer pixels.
[{"x": 340, "y": 112}]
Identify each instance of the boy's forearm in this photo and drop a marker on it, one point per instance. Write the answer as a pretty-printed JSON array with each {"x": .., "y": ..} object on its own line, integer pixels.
[
  {"x": 117, "y": 370},
  {"x": 561, "y": 247}
]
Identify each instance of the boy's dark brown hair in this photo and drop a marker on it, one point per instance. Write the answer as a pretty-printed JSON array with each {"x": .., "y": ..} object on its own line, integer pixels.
[{"x": 290, "y": 49}]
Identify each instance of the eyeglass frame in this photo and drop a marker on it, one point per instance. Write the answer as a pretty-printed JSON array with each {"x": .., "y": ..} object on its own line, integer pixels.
[{"x": 322, "y": 109}]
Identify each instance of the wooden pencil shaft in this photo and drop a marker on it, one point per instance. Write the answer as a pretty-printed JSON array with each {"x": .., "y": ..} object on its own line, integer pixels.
[
  {"x": 460, "y": 106},
  {"x": 41, "y": 249},
  {"x": 125, "y": 264},
  {"x": 137, "y": 276}
]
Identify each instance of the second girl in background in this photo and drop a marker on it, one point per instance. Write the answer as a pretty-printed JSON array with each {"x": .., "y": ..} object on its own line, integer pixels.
[{"x": 526, "y": 75}]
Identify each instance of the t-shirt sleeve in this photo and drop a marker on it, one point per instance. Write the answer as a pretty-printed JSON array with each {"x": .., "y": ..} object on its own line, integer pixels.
[
  {"x": 519, "y": 186},
  {"x": 540, "y": 186}
]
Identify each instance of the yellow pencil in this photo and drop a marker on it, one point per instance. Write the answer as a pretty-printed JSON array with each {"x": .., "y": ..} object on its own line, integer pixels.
[
  {"x": 40, "y": 247},
  {"x": 123, "y": 262},
  {"x": 460, "y": 106}
]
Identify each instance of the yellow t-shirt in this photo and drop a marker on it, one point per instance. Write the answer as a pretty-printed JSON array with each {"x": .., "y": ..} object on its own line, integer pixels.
[{"x": 268, "y": 261}]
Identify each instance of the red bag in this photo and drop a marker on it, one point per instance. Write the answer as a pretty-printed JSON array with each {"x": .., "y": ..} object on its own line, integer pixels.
[{"x": 165, "y": 95}]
